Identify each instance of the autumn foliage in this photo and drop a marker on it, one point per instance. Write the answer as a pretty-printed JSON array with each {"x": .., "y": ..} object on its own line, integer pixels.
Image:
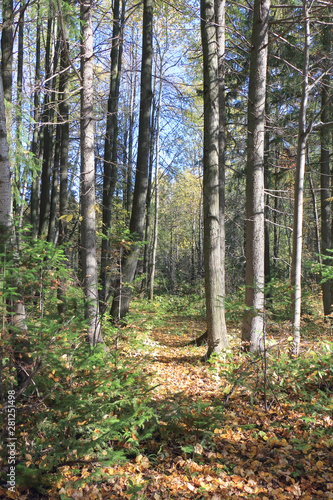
[{"x": 236, "y": 426}]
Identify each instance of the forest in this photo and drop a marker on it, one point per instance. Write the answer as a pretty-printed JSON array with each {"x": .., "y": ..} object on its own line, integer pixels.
[{"x": 166, "y": 240}]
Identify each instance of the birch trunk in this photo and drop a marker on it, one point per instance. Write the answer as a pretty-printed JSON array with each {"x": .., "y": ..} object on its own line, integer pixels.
[
  {"x": 88, "y": 223},
  {"x": 296, "y": 265}
]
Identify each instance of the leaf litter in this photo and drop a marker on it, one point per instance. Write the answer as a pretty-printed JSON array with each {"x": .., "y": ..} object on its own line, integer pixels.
[{"x": 204, "y": 449}]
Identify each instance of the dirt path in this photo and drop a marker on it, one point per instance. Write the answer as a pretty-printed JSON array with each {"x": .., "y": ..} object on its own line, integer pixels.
[{"x": 201, "y": 451}]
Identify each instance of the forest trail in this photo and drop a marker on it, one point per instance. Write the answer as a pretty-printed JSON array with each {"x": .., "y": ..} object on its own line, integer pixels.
[{"x": 202, "y": 451}]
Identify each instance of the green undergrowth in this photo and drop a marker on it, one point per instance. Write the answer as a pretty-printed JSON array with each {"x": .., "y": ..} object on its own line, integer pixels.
[
  {"x": 77, "y": 405},
  {"x": 303, "y": 385},
  {"x": 74, "y": 404},
  {"x": 85, "y": 405}
]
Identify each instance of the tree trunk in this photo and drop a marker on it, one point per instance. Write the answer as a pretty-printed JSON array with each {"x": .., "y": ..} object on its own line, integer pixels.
[
  {"x": 51, "y": 235},
  {"x": 121, "y": 299},
  {"x": 7, "y": 48},
  {"x": 18, "y": 316},
  {"x": 88, "y": 200},
  {"x": 296, "y": 266},
  {"x": 130, "y": 120},
  {"x": 48, "y": 114},
  {"x": 212, "y": 243},
  {"x": 220, "y": 35},
  {"x": 64, "y": 148},
  {"x": 315, "y": 215},
  {"x": 325, "y": 174},
  {"x": 267, "y": 263},
  {"x": 110, "y": 150},
  {"x": 19, "y": 178},
  {"x": 34, "y": 143},
  {"x": 157, "y": 171},
  {"x": 5, "y": 184},
  {"x": 253, "y": 324},
  {"x": 149, "y": 190}
]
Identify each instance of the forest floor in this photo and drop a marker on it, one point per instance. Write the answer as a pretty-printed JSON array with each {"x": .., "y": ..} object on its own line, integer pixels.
[{"x": 232, "y": 427}]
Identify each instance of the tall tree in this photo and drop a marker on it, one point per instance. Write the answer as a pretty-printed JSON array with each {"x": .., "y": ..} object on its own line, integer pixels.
[
  {"x": 325, "y": 136},
  {"x": 19, "y": 179},
  {"x": 252, "y": 329},
  {"x": 7, "y": 48},
  {"x": 217, "y": 339},
  {"x": 122, "y": 295},
  {"x": 111, "y": 146},
  {"x": 35, "y": 143},
  {"x": 6, "y": 223},
  {"x": 5, "y": 184},
  {"x": 220, "y": 35},
  {"x": 64, "y": 146},
  {"x": 51, "y": 60},
  {"x": 157, "y": 173},
  {"x": 303, "y": 133},
  {"x": 87, "y": 179}
]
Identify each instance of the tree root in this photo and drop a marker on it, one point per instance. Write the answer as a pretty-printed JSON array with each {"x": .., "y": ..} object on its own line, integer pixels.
[{"x": 202, "y": 340}]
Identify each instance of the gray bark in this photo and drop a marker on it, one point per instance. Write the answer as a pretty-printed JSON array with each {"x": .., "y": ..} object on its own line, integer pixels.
[
  {"x": 212, "y": 249},
  {"x": 88, "y": 222},
  {"x": 7, "y": 48},
  {"x": 131, "y": 119},
  {"x": 152, "y": 138},
  {"x": 252, "y": 329},
  {"x": 20, "y": 177},
  {"x": 6, "y": 223},
  {"x": 157, "y": 172},
  {"x": 325, "y": 194},
  {"x": 34, "y": 143},
  {"x": 220, "y": 33},
  {"x": 48, "y": 115},
  {"x": 5, "y": 184},
  {"x": 64, "y": 148},
  {"x": 110, "y": 148},
  {"x": 296, "y": 266}
]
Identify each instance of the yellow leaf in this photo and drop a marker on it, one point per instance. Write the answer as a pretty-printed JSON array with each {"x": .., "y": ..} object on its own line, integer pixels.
[{"x": 68, "y": 217}]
